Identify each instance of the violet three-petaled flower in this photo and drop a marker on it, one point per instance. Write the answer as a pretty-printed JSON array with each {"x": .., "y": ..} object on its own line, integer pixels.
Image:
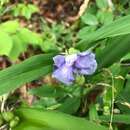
[{"x": 67, "y": 66}]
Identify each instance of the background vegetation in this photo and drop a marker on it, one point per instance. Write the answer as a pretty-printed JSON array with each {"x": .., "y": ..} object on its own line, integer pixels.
[{"x": 32, "y": 32}]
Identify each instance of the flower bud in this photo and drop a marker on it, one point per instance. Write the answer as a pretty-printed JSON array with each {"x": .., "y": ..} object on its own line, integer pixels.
[
  {"x": 73, "y": 51},
  {"x": 8, "y": 116},
  {"x": 80, "y": 79},
  {"x": 14, "y": 122}
]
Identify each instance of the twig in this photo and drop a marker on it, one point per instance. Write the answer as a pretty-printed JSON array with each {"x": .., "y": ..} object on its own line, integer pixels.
[
  {"x": 4, "y": 98},
  {"x": 4, "y": 127},
  {"x": 82, "y": 9},
  {"x": 110, "y": 4},
  {"x": 112, "y": 103}
]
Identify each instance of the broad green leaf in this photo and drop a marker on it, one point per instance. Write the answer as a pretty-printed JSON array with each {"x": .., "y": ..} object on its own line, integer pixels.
[
  {"x": 102, "y": 4},
  {"x": 16, "y": 10},
  {"x": 6, "y": 43},
  {"x": 28, "y": 10},
  {"x": 31, "y": 69},
  {"x": 10, "y": 26},
  {"x": 89, "y": 19},
  {"x": 32, "y": 8},
  {"x": 29, "y": 37},
  {"x": 56, "y": 120},
  {"x": 116, "y": 28},
  {"x": 47, "y": 91},
  {"x": 105, "y": 17},
  {"x": 85, "y": 31},
  {"x": 120, "y": 118},
  {"x": 24, "y": 10},
  {"x": 18, "y": 47},
  {"x": 48, "y": 45},
  {"x": 114, "y": 51},
  {"x": 70, "y": 105}
]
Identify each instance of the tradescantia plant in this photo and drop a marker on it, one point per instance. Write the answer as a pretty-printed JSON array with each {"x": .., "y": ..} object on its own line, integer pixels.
[
  {"x": 121, "y": 49},
  {"x": 66, "y": 68}
]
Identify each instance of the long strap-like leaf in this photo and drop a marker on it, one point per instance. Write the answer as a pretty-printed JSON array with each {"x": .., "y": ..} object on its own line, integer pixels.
[
  {"x": 56, "y": 120},
  {"x": 31, "y": 69},
  {"x": 117, "y": 28}
]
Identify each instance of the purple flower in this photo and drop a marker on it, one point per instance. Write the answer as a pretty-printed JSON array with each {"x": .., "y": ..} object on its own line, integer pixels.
[{"x": 83, "y": 63}]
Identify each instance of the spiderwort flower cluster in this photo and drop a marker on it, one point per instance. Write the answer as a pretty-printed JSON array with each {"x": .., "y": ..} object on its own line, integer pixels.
[{"x": 66, "y": 67}]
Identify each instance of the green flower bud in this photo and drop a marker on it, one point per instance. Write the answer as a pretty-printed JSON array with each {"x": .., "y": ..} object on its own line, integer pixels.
[
  {"x": 73, "y": 51},
  {"x": 106, "y": 110},
  {"x": 8, "y": 116},
  {"x": 14, "y": 122},
  {"x": 80, "y": 79}
]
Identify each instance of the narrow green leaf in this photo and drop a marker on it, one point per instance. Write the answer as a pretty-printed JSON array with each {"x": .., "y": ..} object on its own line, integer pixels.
[
  {"x": 17, "y": 80},
  {"x": 115, "y": 28},
  {"x": 116, "y": 49},
  {"x": 19, "y": 74},
  {"x": 125, "y": 119},
  {"x": 31, "y": 126},
  {"x": 56, "y": 120}
]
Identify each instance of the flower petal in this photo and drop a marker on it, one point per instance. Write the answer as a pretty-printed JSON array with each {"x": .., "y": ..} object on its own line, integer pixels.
[
  {"x": 70, "y": 59},
  {"x": 64, "y": 74},
  {"x": 85, "y": 61},
  {"x": 84, "y": 53},
  {"x": 89, "y": 71},
  {"x": 59, "y": 60}
]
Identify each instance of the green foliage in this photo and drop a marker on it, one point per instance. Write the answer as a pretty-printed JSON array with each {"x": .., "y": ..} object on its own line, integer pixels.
[
  {"x": 89, "y": 19},
  {"x": 3, "y": 2},
  {"x": 102, "y": 98},
  {"x": 125, "y": 119},
  {"x": 10, "y": 26},
  {"x": 105, "y": 17},
  {"x": 108, "y": 55},
  {"x": 5, "y": 44},
  {"x": 48, "y": 91},
  {"x": 24, "y": 10},
  {"x": 15, "y": 39},
  {"x": 102, "y": 4}
]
